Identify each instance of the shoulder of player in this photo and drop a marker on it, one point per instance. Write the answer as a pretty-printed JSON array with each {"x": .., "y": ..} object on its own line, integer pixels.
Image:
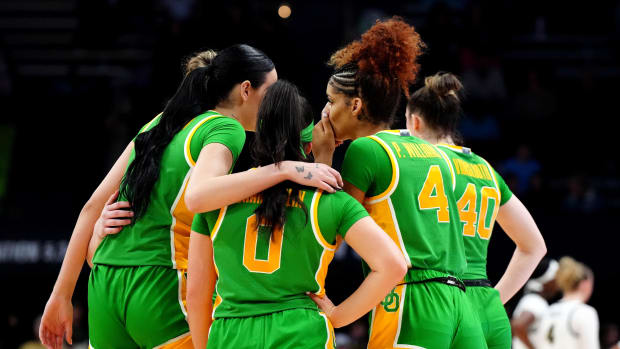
[
  {"x": 585, "y": 310},
  {"x": 458, "y": 150},
  {"x": 211, "y": 119},
  {"x": 365, "y": 142},
  {"x": 152, "y": 123},
  {"x": 337, "y": 198}
]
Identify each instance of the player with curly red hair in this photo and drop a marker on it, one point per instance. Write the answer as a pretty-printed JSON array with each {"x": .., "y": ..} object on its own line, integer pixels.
[{"x": 406, "y": 184}]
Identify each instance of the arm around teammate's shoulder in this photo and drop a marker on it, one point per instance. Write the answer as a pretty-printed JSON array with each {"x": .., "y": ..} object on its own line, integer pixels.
[
  {"x": 519, "y": 225},
  {"x": 211, "y": 186},
  {"x": 387, "y": 265}
]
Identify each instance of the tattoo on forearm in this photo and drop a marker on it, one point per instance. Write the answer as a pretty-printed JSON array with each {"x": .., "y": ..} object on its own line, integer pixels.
[
  {"x": 299, "y": 169},
  {"x": 309, "y": 176}
]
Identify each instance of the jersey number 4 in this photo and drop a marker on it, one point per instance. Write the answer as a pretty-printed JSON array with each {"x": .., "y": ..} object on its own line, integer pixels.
[
  {"x": 253, "y": 246},
  {"x": 433, "y": 196},
  {"x": 475, "y": 220}
]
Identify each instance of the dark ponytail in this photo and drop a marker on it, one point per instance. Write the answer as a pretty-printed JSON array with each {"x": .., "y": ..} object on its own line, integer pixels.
[
  {"x": 439, "y": 103},
  {"x": 205, "y": 86},
  {"x": 282, "y": 115}
]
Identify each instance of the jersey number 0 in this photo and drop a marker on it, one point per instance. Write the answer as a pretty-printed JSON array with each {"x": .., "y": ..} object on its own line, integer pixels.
[{"x": 250, "y": 249}]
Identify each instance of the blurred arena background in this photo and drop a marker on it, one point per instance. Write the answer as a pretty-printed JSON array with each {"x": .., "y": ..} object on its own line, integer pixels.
[{"x": 78, "y": 78}]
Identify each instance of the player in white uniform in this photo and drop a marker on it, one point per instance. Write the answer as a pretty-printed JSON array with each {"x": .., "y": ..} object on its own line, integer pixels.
[
  {"x": 570, "y": 323},
  {"x": 533, "y": 306}
]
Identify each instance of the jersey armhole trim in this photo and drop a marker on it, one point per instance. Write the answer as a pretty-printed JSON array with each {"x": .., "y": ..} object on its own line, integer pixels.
[
  {"x": 395, "y": 173},
  {"x": 218, "y": 223},
  {"x": 188, "y": 140},
  {"x": 314, "y": 220},
  {"x": 499, "y": 192},
  {"x": 145, "y": 127}
]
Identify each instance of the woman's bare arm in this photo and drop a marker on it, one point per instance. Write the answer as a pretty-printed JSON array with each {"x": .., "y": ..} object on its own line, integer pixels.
[
  {"x": 519, "y": 225},
  {"x": 387, "y": 265},
  {"x": 57, "y": 318},
  {"x": 201, "y": 279},
  {"x": 211, "y": 187}
]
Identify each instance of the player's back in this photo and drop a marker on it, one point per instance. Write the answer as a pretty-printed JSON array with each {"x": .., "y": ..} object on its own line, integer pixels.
[
  {"x": 570, "y": 324},
  {"x": 416, "y": 206},
  {"x": 480, "y": 192},
  {"x": 161, "y": 235},
  {"x": 260, "y": 272}
]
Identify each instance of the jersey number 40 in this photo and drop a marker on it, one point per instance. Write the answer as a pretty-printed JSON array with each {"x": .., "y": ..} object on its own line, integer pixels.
[{"x": 475, "y": 218}]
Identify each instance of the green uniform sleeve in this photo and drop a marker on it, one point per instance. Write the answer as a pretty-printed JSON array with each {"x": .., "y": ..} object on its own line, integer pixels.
[
  {"x": 505, "y": 192},
  {"x": 367, "y": 166},
  {"x": 337, "y": 212},
  {"x": 203, "y": 223},
  {"x": 221, "y": 130},
  {"x": 350, "y": 211}
]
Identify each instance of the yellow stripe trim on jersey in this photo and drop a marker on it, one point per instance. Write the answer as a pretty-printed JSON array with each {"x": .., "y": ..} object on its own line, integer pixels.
[
  {"x": 383, "y": 213},
  {"x": 499, "y": 192},
  {"x": 395, "y": 172},
  {"x": 329, "y": 344},
  {"x": 216, "y": 229},
  {"x": 447, "y": 160},
  {"x": 182, "y": 292},
  {"x": 384, "y": 324},
  {"x": 145, "y": 127},
  {"x": 314, "y": 219},
  {"x": 451, "y": 146},
  {"x": 218, "y": 223},
  {"x": 218, "y": 301},
  {"x": 180, "y": 228},
  {"x": 328, "y": 249},
  {"x": 188, "y": 140}
]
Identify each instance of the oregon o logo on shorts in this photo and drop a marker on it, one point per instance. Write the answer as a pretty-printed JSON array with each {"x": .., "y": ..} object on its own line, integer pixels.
[{"x": 391, "y": 302}]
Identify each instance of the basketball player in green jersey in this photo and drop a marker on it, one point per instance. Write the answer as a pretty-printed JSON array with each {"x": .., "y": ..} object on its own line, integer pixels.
[
  {"x": 271, "y": 249},
  {"x": 155, "y": 182},
  {"x": 483, "y": 197},
  {"x": 406, "y": 185}
]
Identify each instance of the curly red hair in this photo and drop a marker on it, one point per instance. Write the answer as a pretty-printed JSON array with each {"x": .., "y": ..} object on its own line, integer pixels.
[{"x": 387, "y": 53}]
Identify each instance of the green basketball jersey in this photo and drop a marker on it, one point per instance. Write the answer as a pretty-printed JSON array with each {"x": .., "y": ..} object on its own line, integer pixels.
[
  {"x": 259, "y": 272},
  {"x": 479, "y": 191},
  {"x": 409, "y": 192},
  {"x": 161, "y": 235}
]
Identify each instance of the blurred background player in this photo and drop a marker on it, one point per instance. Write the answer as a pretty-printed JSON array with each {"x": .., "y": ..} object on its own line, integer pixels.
[
  {"x": 570, "y": 323},
  {"x": 291, "y": 233},
  {"x": 406, "y": 185},
  {"x": 534, "y": 305},
  {"x": 433, "y": 113}
]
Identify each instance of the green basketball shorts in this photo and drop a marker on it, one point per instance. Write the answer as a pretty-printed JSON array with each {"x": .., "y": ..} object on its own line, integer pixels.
[
  {"x": 431, "y": 315},
  {"x": 493, "y": 318},
  {"x": 294, "y": 328},
  {"x": 137, "y": 307}
]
